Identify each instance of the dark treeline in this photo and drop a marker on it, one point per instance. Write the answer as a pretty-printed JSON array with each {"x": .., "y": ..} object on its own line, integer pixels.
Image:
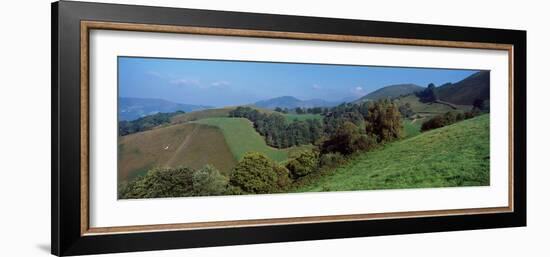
[
  {"x": 446, "y": 119},
  {"x": 145, "y": 123},
  {"x": 303, "y": 110},
  {"x": 277, "y": 131},
  {"x": 428, "y": 95}
]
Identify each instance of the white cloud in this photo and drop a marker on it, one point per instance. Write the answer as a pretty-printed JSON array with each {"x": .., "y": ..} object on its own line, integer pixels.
[
  {"x": 316, "y": 87},
  {"x": 155, "y": 74},
  {"x": 220, "y": 83},
  {"x": 358, "y": 91},
  {"x": 186, "y": 82}
]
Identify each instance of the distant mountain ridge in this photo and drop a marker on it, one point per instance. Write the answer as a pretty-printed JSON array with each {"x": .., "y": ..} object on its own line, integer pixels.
[
  {"x": 291, "y": 102},
  {"x": 131, "y": 108},
  {"x": 390, "y": 92},
  {"x": 464, "y": 92}
]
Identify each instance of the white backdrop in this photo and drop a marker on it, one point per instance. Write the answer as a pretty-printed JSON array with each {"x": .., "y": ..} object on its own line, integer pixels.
[{"x": 25, "y": 129}]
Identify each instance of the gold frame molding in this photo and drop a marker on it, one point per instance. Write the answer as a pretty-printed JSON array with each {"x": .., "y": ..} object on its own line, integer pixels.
[{"x": 86, "y": 26}]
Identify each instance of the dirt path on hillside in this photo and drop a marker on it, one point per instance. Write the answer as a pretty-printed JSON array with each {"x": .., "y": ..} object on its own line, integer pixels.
[{"x": 182, "y": 147}]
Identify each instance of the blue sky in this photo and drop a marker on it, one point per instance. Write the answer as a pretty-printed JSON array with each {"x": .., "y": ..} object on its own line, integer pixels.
[{"x": 223, "y": 83}]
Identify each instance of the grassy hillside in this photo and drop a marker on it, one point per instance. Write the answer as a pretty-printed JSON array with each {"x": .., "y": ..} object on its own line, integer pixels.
[
  {"x": 192, "y": 145},
  {"x": 210, "y": 113},
  {"x": 412, "y": 127},
  {"x": 241, "y": 138},
  {"x": 197, "y": 115},
  {"x": 456, "y": 155},
  {"x": 391, "y": 92},
  {"x": 476, "y": 86},
  {"x": 429, "y": 108}
]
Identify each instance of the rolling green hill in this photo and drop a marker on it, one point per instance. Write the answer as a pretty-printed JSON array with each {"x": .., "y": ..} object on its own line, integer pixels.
[
  {"x": 241, "y": 138},
  {"x": 197, "y": 115},
  {"x": 390, "y": 92},
  {"x": 456, "y": 155},
  {"x": 192, "y": 145}
]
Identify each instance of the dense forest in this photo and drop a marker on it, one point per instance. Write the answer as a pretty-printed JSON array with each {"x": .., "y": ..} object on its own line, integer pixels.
[{"x": 277, "y": 131}]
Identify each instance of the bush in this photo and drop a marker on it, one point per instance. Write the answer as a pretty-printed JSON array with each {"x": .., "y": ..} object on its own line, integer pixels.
[
  {"x": 209, "y": 181},
  {"x": 160, "y": 182},
  {"x": 175, "y": 182},
  {"x": 256, "y": 173},
  {"x": 303, "y": 164},
  {"x": 332, "y": 160},
  {"x": 447, "y": 119},
  {"x": 347, "y": 140}
]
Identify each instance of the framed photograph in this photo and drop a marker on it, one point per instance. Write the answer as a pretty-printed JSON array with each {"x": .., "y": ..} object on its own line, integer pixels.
[{"x": 178, "y": 128}]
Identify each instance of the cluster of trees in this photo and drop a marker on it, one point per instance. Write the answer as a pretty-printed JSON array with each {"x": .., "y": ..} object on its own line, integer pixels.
[
  {"x": 300, "y": 110},
  {"x": 354, "y": 128},
  {"x": 175, "y": 182},
  {"x": 406, "y": 110},
  {"x": 277, "y": 131},
  {"x": 446, "y": 119},
  {"x": 428, "y": 95},
  {"x": 145, "y": 123}
]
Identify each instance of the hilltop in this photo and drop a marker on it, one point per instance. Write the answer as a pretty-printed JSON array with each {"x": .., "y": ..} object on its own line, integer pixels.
[
  {"x": 390, "y": 92},
  {"x": 466, "y": 91}
]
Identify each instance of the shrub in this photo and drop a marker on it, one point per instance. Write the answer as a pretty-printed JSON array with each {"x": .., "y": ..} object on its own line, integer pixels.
[
  {"x": 175, "y": 182},
  {"x": 433, "y": 123},
  {"x": 447, "y": 119},
  {"x": 304, "y": 163},
  {"x": 256, "y": 173},
  {"x": 332, "y": 160},
  {"x": 347, "y": 140},
  {"x": 160, "y": 182},
  {"x": 209, "y": 181}
]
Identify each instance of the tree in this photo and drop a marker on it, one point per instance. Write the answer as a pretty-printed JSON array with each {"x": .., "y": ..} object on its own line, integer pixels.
[
  {"x": 406, "y": 110},
  {"x": 175, "y": 182},
  {"x": 256, "y": 173},
  {"x": 209, "y": 181},
  {"x": 278, "y": 109},
  {"x": 299, "y": 110},
  {"x": 304, "y": 163},
  {"x": 383, "y": 121},
  {"x": 347, "y": 140},
  {"x": 428, "y": 95},
  {"x": 160, "y": 182}
]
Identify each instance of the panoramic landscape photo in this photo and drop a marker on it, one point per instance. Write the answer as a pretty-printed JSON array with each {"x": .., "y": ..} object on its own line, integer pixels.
[{"x": 209, "y": 127}]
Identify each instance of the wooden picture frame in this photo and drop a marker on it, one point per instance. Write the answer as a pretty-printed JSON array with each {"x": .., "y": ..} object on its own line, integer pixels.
[{"x": 71, "y": 25}]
